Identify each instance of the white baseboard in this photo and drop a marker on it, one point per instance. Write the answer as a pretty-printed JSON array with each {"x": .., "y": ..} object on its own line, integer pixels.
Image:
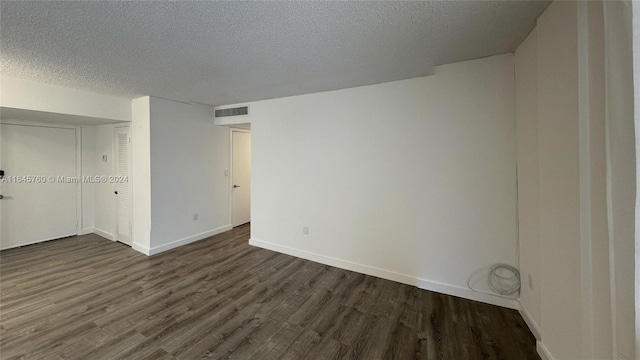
[
  {"x": 37, "y": 241},
  {"x": 466, "y": 293},
  {"x": 181, "y": 242},
  {"x": 533, "y": 326},
  {"x": 543, "y": 351},
  {"x": 140, "y": 248},
  {"x": 104, "y": 234},
  {"x": 86, "y": 231},
  {"x": 390, "y": 275}
]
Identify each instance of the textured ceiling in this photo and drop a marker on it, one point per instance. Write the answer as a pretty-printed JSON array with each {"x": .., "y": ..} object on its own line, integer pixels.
[{"x": 227, "y": 52}]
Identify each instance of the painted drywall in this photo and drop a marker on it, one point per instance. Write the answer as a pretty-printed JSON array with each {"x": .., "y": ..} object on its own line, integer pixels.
[
  {"x": 88, "y": 140},
  {"x": 86, "y": 152},
  {"x": 104, "y": 202},
  {"x": 423, "y": 169},
  {"x": 559, "y": 182},
  {"x": 580, "y": 66},
  {"x": 526, "y": 74},
  {"x": 50, "y": 117},
  {"x": 189, "y": 174},
  {"x": 30, "y": 95},
  {"x": 636, "y": 82},
  {"x": 619, "y": 72},
  {"x": 96, "y": 207},
  {"x": 47, "y": 151},
  {"x": 33, "y": 101},
  {"x": 141, "y": 165},
  {"x": 597, "y": 326}
]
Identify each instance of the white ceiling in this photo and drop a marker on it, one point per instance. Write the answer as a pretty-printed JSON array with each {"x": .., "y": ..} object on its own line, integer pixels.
[{"x": 227, "y": 52}]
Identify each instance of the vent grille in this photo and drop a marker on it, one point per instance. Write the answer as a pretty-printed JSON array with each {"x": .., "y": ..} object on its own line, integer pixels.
[{"x": 238, "y": 111}]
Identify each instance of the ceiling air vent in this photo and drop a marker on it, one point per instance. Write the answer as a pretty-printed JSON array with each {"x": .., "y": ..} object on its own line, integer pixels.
[{"x": 237, "y": 111}]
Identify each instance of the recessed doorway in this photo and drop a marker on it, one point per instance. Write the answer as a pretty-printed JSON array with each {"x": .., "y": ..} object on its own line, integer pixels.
[
  {"x": 40, "y": 191},
  {"x": 240, "y": 177}
]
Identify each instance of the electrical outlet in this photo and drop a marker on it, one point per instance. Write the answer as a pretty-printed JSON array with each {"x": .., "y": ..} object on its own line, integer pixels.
[
  {"x": 195, "y": 216},
  {"x": 530, "y": 279},
  {"x": 305, "y": 230}
]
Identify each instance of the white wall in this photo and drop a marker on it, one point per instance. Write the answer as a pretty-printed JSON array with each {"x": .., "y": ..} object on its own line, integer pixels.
[
  {"x": 189, "y": 160},
  {"x": 141, "y": 165},
  {"x": 619, "y": 71},
  {"x": 636, "y": 81},
  {"x": 559, "y": 180},
  {"x": 98, "y": 198},
  {"x": 526, "y": 75},
  {"x": 97, "y": 202},
  {"x": 60, "y": 105},
  {"x": 30, "y": 95},
  {"x": 411, "y": 180},
  {"x": 594, "y": 165},
  {"x": 575, "y": 138},
  {"x": 88, "y": 139},
  {"x": 104, "y": 202}
]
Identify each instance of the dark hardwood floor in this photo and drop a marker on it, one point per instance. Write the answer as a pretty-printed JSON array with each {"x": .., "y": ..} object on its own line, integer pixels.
[{"x": 89, "y": 298}]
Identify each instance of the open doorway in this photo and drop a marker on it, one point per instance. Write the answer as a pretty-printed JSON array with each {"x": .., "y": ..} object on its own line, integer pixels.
[{"x": 240, "y": 177}]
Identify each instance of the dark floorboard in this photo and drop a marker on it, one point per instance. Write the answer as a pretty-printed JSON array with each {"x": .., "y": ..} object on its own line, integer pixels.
[{"x": 87, "y": 297}]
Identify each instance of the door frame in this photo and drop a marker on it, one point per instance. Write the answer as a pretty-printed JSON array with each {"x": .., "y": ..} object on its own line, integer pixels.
[
  {"x": 114, "y": 150},
  {"x": 231, "y": 169},
  {"x": 78, "y": 135}
]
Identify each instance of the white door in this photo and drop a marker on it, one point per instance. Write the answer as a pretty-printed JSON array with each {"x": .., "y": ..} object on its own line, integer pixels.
[
  {"x": 1, "y": 181},
  {"x": 122, "y": 188},
  {"x": 40, "y": 184},
  {"x": 241, "y": 177}
]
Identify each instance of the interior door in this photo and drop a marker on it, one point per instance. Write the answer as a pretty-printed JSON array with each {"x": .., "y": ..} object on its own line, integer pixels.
[
  {"x": 39, "y": 188},
  {"x": 241, "y": 177},
  {"x": 1, "y": 183},
  {"x": 122, "y": 188}
]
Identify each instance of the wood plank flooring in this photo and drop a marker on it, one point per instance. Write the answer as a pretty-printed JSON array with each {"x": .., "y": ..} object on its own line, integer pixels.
[{"x": 87, "y": 297}]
